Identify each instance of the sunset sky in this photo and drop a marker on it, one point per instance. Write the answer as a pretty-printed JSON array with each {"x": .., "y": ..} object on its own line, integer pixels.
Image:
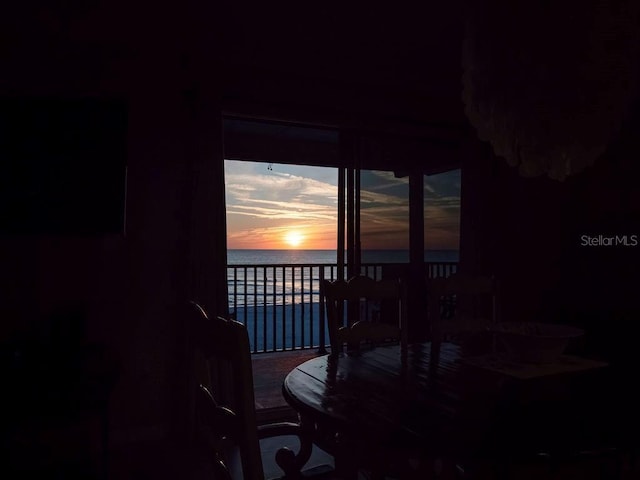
[{"x": 294, "y": 207}]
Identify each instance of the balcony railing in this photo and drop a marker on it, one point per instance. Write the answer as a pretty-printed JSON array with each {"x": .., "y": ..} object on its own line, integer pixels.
[{"x": 282, "y": 305}]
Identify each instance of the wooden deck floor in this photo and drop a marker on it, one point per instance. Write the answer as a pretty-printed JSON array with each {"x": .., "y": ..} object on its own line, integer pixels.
[{"x": 269, "y": 370}]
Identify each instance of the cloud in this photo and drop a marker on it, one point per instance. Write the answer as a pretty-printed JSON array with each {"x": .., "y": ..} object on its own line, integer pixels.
[
  {"x": 376, "y": 180},
  {"x": 277, "y": 186},
  {"x": 279, "y": 213},
  {"x": 263, "y": 205}
]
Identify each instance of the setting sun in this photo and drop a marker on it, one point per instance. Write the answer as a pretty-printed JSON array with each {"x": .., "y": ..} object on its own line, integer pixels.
[{"x": 293, "y": 239}]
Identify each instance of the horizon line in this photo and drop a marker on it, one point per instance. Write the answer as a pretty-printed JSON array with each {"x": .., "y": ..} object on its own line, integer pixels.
[{"x": 334, "y": 249}]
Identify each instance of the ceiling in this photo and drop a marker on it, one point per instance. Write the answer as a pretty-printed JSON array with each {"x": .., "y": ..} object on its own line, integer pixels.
[
  {"x": 337, "y": 63},
  {"x": 392, "y": 62}
]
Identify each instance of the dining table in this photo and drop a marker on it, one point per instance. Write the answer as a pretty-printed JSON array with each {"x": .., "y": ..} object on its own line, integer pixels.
[{"x": 421, "y": 402}]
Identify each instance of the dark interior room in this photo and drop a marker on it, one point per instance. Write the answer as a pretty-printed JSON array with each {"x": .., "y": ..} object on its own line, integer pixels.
[{"x": 112, "y": 203}]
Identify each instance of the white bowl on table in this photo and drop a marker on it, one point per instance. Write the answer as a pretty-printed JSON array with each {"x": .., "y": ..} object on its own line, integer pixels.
[{"x": 534, "y": 342}]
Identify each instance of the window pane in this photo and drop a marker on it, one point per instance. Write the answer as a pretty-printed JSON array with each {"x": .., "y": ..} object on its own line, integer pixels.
[
  {"x": 442, "y": 216},
  {"x": 280, "y": 207},
  {"x": 384, "y": 220}
]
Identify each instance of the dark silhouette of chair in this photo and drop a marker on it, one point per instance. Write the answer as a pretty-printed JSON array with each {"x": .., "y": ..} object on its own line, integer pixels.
[
  {"x": 461, "y": 308},
  {"x": 224, "y": 405},
  {"x": 375, "y": 311}
]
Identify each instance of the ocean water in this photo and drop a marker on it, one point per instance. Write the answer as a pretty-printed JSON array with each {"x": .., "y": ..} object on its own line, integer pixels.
[
  {"x": 262, "y": 257},
  {"x": 276, "y": 277},
  {"x": 276, "y": 293}
]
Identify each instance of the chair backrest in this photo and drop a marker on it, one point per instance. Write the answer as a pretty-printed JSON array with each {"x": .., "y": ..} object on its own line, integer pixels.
[
  {"x": 461, "y": 304},
  {"x": 223, "y": 371},
  {"x": 375, "y": 311},
  {"x": 216, "y": 426}
]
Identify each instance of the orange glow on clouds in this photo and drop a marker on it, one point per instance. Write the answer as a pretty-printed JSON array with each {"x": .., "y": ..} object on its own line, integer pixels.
[
  {"x": 309, "y": 237},
  {"x": 295, "y": 207},
  {"x": 287, "y": 207}
]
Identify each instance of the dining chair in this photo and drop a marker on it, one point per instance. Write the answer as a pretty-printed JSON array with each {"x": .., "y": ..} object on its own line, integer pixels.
[
  {"x": 461, "y": 308},
  {"x": 363, "y": 310},
  {"x": 223, "y": 404}
]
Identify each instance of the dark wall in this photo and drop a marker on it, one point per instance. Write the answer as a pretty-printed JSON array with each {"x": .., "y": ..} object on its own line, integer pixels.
[
  {"x": 529, "y": 233},
  {"x": 601, "y": 281},
  {"x": 130, "y": 288}
]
